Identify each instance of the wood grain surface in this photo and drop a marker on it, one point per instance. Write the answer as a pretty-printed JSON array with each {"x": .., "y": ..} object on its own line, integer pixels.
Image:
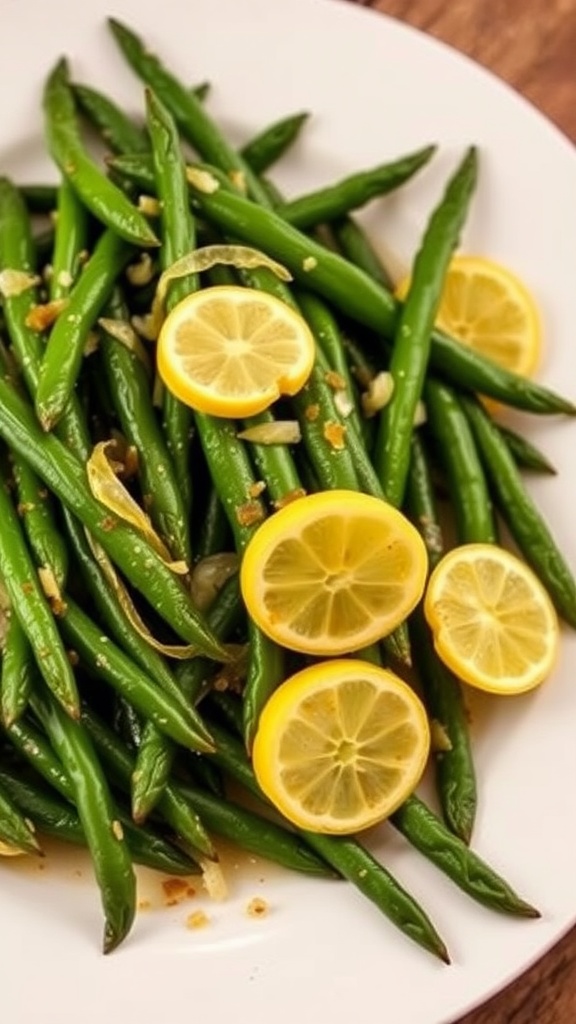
[{"x": 531, "y": 44}]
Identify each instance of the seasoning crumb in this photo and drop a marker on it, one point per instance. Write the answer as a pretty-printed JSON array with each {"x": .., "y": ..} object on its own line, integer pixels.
[
  {"x": 257, "y": 907},
  {"x": 176, "y": 890},
  {"x": 202, "y": 180},
  {"x": 149, "y": 206},
  {"x": 257, "y": 488},
  {"x": 43, "y": 315},
  {"x": 335, "y": 433},
  {"x": 249, "y": 513},
  {"x": 144, "y": 905},
  {"x": 199, "y": 919},
  {"x": 309, "y": 263},
  {"x": 335, "y": 380},
  {"x": 289, "y": 497},
  {"x": 312, "y": 412}
]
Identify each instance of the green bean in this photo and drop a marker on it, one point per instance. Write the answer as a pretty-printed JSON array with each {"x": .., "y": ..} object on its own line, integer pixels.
[
  {"x": 526, "y": 455},
  {"x": 348, "y": 858},
  {"x": 180, "y": 816},
  {"x": 65, "y": 349},
  {"x": 39, "y": 198},
  {"x": 358, "y": 249},
  {"x": 32, "y": 609},
  {"x": 410, "y": 354},
  {"x": 36, "y": 750},
  {"x": 17, "y": 671},
  {"x": 459, "y": 457},
  {"x": 37, "y": 517},
  {"x": 178, "y": 238},
  {"x": 265, "y": 148},
  {"x": 54, "y": 818},
  {"x": 274, "y": 462},
  {"x": 15, "y": 829},
  {"x": 356, "y": 295},
  {"x": 156, "y": 752},
  {"x": 129, "y": 389},
  {"x": 253, "y": 832},
  {"x": 324, "y": 432},
  {"x": 169, "y": 710},
  {"x": 69, "y": 241},
  {"x": 65, "y": 476},
  {"x": 107, "y": 202},
  {"x": 213, "y": 528},
  {"x": 455, "y": 773},
  {"x": 526, "y": 524},
  {"x": 117, "y": 129},
  {"x": 476, "y": 878},
  {"x": 328, "y": 204},
  {"x": 195, "y": 125},
  {"x": 99, "y": 817},
  {"x": 329, "y": 337},
  {"x": 266, "y": 670}
]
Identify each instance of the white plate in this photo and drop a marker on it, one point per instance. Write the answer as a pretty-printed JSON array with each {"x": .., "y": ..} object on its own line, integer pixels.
[{"x": 376, "y": 90}]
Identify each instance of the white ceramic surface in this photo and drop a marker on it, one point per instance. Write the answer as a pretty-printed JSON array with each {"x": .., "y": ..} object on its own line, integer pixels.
[{"x": 322, "y": 954}]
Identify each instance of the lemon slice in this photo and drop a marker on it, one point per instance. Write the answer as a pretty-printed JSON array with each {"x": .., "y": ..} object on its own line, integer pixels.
[
  {"x": 232, "y": 351},
  {"x": 487, "y": 307},
  {"x": 332, "y": 572},
  {"x": 493, "y": 623},
  {"x": 340, "y": 745}
]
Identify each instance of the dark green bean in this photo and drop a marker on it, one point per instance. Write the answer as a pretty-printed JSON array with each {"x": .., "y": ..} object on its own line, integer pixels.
[
  {"x": 194, "y": 123},
  {"x": 335, "y": 201},
  {"x": 130, "y": 390},
  {"x": 117, "y": 129},
  {"x": 476, "y": 878},
  {"x": 39, "y": 198},
  {"x": 412, "y": 338},
  {"x": 169, "y": 710},
  {"x": 265, "y": 148},
  {"x": 213, "y": 528},
  {"x": 107, "y": 202},
  {"x": 156, "y": 752},
  {"x": 31, "y": 607},
  {"x": 443, "y": 696},
  {"x": 180, "y": 816},
  {"x": 99, "y": 817},
  {"x": 17, "y": 671},
  {"x": 65, "y": 476},
  {"x": 37, "y": 516},
  {"x": 358, "y": 249},
  {"x": 65, "y": 349},
  {"x": 54, "y": 818},
  {"x": 266, "y": 670},
  {"x": 15, "y": 829},
  {"x": 526, "y": 524},
  {"x": 69, "y": 242},
  {"x": 458, "y": 455},
  {"x": 178, "y": 239},
  {"x": 35, "y": 748},
  {"x": 526, "y": 455}
]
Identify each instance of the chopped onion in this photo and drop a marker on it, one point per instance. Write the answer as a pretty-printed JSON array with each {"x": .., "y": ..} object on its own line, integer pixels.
[
  {"x": 202, "y": 180},
  {"x": 14, "y": 282},
  {"x": 108, "y": 489},
  {"x": 210, "y": 575},
  {"x": 123, "y": 331},
  {"x": 275, "y": 432},
  {"x": 378, "y": 394},
  {"x": 213, "y": 879}
]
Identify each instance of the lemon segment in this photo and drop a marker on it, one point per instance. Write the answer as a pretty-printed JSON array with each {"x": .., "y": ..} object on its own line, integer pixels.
[
  {"x": 492, "y": 620},
  {"x": 333, "y": 572},
  {"x": 340, "y": 745},
  {"x": 232, "y": 351},
  {"x": 486, "y": 306}
]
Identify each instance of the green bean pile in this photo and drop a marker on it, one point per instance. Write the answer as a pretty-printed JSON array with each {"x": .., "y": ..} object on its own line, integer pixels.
[{"x": 125, "y": 743}]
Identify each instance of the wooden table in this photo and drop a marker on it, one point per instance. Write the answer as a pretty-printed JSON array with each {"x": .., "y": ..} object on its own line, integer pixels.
[{"x": 532, "y": 45}]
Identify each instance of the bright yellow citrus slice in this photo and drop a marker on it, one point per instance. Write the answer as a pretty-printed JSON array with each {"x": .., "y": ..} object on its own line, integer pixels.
[
  {"x": 232, "y": 351},
  {"x": 340, "y": 745},
  {"x": 487, "y": 307},
  {"x": 493, "y": 623},
  {"x": 332, "y": 572}
]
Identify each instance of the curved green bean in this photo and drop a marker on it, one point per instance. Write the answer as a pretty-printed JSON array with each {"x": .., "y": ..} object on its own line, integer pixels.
[
  {"x": 118, "y": 130},
  {"x": 104, "y": 199},
  {"x": 265, "y": 148},
  {"x": 16, "y": 672}
]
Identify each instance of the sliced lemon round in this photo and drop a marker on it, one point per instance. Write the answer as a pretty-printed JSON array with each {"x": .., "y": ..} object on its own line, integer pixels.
[
  {"x": 232, "y": 351},
  {"x": 340, "y": 745},
  {"x": 492, "y": 620},
  {"x": 333, "y": 572},
  {"x": 488, "y": 307}
]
